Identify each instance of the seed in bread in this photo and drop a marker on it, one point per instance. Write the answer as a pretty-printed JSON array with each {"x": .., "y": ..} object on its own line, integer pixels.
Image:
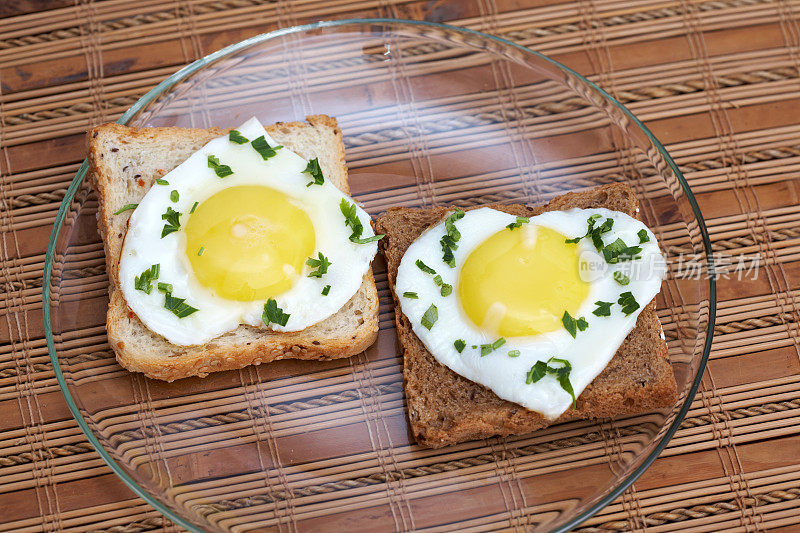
[{"x": 126, "y": 162}]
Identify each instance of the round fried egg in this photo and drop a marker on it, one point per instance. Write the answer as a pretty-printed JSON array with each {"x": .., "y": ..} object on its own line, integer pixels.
[
  {"x": 242, "y": 232},
  {"x": 529, "y": 308}
]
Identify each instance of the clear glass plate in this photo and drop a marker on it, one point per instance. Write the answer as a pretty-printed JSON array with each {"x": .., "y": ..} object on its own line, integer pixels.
[{"x": 431, "y": 115}]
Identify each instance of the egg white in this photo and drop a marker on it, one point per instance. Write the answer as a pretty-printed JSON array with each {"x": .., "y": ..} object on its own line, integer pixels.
[
  {"x": 195, "y": 182},
  {"x": 588, "y": 353}
]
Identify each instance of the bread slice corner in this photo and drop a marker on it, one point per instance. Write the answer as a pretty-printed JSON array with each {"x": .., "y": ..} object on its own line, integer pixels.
[
  {"x": 124, "y": 164},
  {"x": 445, "y": 408}
]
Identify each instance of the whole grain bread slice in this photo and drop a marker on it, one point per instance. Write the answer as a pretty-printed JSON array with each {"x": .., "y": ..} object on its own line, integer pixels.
[
  {"x": 445, "y": 408},
  {"x": 125, "y": 162}
]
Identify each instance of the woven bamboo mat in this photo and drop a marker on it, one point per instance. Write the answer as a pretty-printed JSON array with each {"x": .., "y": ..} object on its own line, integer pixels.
[{"x": 716, "y": 80}]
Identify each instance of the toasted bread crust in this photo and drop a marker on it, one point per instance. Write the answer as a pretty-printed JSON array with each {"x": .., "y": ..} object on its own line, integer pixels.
[
  {"x": 445, "y": 408},
  {"x": 120, "y": 176}
]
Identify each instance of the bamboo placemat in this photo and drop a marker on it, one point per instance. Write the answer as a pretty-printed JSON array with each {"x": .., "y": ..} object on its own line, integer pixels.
[{"x": 717, "y": 82}]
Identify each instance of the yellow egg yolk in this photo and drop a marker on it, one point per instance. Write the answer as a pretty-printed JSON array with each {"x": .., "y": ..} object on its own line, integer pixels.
[
  {"x": 519, "y": 282},
  {"x": 248, "y": 243}
]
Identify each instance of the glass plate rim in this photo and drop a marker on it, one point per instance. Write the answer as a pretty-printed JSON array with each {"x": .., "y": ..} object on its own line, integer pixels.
[{"x": 200, "y": 63}]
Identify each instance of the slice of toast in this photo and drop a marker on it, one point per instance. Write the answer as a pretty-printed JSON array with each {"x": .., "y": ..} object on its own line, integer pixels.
[
  {"x": 124, "y": 164},
  {"x": 445, "y": 408}
]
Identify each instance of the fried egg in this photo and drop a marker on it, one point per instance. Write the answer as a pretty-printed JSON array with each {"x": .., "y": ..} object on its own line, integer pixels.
[
  {"x": 533, "y": 309},
  {"x": 242, "y": 232}
]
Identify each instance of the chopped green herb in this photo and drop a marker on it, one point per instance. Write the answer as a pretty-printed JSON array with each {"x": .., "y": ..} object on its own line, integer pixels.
[
  {"x": 621, "y": 278},
  {"x": 274, "y": 314},
  {"x": 193, "y": 208},
  {"x": 351, "y": 219},
  {"x": 236, "y": 137},
  {"x": 313, "y": 169},
  {"x": 320, "y": 264},
  {"x": 411, "y": 295},
  {"x": 513, "y": 353},
  {"x": 164, "y": 287},
  {"x": 603, "y": 308},
  {"x": 595, "y": 233},
  {"x": 582, "y": 324},
  {"x": 173, "y": 222},
  {"x": 162, "y": 182},
  {"x": 437, "y": 279},
  {"x": 220, "y": 170},
  {"x": 425, "y": 268},
  {"x": 643, "y": 236},
  {"x": 459, "y": 345},
  {"x": 174, "y": 196},
  {"x": 518, "y": 224},
  {"x": 628, "y": 303},
  {"x": 261, "y": 146},
  {"x": 618, "y": 251},
  {"x": 126, "y": 207},
  {"x": 326, "y": 289},
  {"x": 201, "y": 250},
  {"x": 446, "y": 290},
  {"x": 430, "y": 317},
  {"x": 570, "y": 324},
  {"x": 486, "y": 349},
  {"x": 178, "y": 306},
  {"x": 537, "y": 372},
  {"x": 561, "y": 374},
  {"x": 143, "y": 282},
  {"x": 451, "y": 237}
]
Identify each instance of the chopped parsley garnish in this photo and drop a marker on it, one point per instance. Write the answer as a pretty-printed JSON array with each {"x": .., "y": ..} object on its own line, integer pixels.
[
  {"x": 193, "y": 208},
  {"x": 628, "y": 303},
  {"x": 459, "y": 345},
  {"x": 621, "y": 278},
  {"x": 164, "y": 287},
  {"x": 351, "y": 219},
  {"x": 446, "y": 289},
  {"x": 274, "y": 314},
  {"x": 143, "y": 282},
  {"x": 643, "y": 236},
  {"x": 320, "y": 264},
  {"x": 595, "y": 233},
  {"x": 571, "y": 325},
  {"x": 518, "y": 224},
  {"x": 603, "y": 308},
  {"x": 450, "y": 238},
  {"x": 236, "y": 137},
  {"x": 486, "y": 349},
  {"x": 261, "y": 146},
  {"x": 162, "y": 182},
  {"x": 220, "y": 170},
  {"x": 541, "y": 368},
  {"x": 174, "y": 196},
  {"x": 513, "y": 353},
  {"x": 126, "y": 207},
  {"x": 173, "y": 222},
  {"x": 201, "y": 250},
  {"x": 430, "y": 317},
  {"x": 326, "y": 289},
  {"x": 425, "y": 268},
  {"x": 411, "y": 295},
  {"x": 313, "y": 169},
  {"x": 618, "y": 251},
  {"x": 178, "y": 306}
]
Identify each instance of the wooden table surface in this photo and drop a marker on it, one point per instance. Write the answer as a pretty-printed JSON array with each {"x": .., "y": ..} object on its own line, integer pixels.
[{"x": 717, "y": 81}]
